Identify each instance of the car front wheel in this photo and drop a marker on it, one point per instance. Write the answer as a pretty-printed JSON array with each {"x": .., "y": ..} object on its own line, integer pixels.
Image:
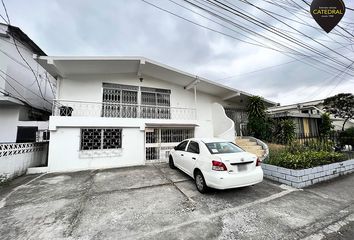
[{"x": 200, "y": 182}]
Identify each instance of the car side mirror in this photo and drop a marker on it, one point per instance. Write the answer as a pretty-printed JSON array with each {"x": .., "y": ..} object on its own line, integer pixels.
[{"x": 175, "y": 147}]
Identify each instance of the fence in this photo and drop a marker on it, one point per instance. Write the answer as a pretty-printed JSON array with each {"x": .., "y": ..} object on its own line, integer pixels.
[
  {"x": 120, "y": 110},
  {"x": 334, "y": 137},
  {"x": 16, "y": 158}
]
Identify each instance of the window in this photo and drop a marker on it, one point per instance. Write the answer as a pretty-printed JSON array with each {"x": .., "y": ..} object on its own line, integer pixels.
[
  {"x": 223, "y": 147},
  {"x": 101, "y": 138},
  {"x": 26, "y": 134},
  {"x": 155, "y": 103},
  {"x": 193, "y": 147},
  {"x": 119, "y": 100},
  {"x": 176, "y": 134},
  {"x": 182, "y": 146}
]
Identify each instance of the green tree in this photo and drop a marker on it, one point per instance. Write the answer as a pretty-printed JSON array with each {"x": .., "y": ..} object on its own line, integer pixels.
[
  {"x": 257, "y": 118},
  {"x": 325, "y": 125},
  {"x": 341, "y": 106},
  {"x": 284, "y": 131}
]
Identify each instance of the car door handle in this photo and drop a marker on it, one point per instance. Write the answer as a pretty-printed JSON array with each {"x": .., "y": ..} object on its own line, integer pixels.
[
  {"x": 193, "y": 158},
  {"x": 182, "y": 154}
]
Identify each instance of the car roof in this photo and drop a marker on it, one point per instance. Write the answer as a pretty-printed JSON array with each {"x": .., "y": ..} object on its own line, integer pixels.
[{"x": 208, "y": 140}]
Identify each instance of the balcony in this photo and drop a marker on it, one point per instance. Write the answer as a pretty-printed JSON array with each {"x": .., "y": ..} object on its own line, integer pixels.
[{"x": 120, "y": 110}]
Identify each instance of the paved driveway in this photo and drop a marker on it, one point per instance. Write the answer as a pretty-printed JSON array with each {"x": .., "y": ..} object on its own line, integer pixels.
[{"x": 155, "y": 202}]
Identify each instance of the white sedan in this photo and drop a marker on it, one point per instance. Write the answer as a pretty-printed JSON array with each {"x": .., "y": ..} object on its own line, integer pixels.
[{"x": 216, "y": 163}]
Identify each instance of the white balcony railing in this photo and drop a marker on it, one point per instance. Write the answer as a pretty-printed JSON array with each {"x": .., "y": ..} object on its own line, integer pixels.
[{"x": 120, "y": 110}]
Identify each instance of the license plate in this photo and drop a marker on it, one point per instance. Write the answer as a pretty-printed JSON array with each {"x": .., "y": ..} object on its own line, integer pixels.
[{"x": 242, "y": 168}]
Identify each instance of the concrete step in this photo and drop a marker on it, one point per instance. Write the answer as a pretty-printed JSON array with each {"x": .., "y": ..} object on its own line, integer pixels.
[
  {"x": 259, "y": 153},
  {"x": 244, "y": 142},
  {"x": 251, "y": 148},
  {"x": 36, "y": 170}
]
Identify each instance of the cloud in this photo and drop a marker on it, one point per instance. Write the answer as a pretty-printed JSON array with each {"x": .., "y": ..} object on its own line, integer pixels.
[{"x": 65, "y": 27}]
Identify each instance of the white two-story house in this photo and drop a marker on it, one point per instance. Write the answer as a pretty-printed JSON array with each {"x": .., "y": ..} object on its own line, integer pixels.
[{"x": 124, "y": 111}]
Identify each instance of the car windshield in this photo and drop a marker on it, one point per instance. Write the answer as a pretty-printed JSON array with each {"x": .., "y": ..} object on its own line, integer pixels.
[{"x": 222, "y": 147}]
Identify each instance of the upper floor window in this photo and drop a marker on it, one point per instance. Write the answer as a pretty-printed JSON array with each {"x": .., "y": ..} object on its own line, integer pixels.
[
  {"x": 155, "y": 96},
  {"x": 119, "y": 100},
  {"x": 155, "y": 103},
  {"x": 122, "y": 101}
]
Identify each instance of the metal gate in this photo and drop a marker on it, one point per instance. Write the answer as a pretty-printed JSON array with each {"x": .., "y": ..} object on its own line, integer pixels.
[{"x": 160, "y": 141}]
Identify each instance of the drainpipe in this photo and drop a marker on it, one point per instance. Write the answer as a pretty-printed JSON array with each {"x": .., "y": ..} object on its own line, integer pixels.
[
  {"x": 195, "y": 100},
  {"x": 194, "y": 85}
]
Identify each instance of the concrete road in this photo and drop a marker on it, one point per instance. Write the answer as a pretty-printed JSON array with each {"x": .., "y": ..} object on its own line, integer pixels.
[{"x": 155, "y": 202}]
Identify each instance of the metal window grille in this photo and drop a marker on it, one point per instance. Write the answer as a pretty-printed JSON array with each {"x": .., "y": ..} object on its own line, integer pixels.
[
  {"x": 160, "y": 141},
  {"x": 156, "y": 103},
  {"x": 119, "y": 101},
  {"x": 152, "y": 153},
  {"x": 176, "y": 134},
  {"x": 101, "y": 138},
  {"x": 152, "y": 136}
]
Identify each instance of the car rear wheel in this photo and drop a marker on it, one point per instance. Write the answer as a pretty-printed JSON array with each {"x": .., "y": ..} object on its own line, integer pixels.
[
  {"x": 171, "y": 163},
  {"x": 200, "y": 182}
]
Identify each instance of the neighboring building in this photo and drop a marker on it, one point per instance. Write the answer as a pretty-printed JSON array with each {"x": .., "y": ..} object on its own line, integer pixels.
[
  {"x": 113, "y": 112},
  {"x": 24, "y": 109},
  {"x": 307, "y": 117}
]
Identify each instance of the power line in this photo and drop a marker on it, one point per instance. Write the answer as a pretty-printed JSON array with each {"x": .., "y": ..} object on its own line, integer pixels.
[
  {"x": 19, "y": 52},
  {"x": 338, "y": 25},
  {"x": 25, "y": 100},
  {"x": 330, "y": 66},
  {"x": 4, "y": 19},
  {"x": 7, "y": 15},
  {"x": 262, "y": 69},
  {"x": 243, "y": 28},
  {"x": 271, "y": 29},
  {"x": 339, "y": 82},
  {"x": 18, "y": 82},
  {"x": 303, "y": 22}
]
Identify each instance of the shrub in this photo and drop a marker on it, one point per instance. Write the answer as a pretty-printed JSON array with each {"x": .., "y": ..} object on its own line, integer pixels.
[
  {"x": 284, "y": 131},
  {"x": 257, "y": 125},
  {"x": 297, "y": 156},
  {"x": 347, "y": 137},
  {"x": 325, "y": 125}
]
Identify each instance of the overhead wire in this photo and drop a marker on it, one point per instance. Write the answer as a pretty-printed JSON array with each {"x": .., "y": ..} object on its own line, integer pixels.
[
  {"x": 19, "y": 52},
  {"x": 253, "y": 32},
  {"x": 273, "y": 30}
]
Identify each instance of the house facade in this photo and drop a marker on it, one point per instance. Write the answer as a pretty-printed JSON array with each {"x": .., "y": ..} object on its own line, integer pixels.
[
  {"x": 113, "y": 112},
  {"x": 25, "y": 97},
  {"x": 306, "y": 116}
]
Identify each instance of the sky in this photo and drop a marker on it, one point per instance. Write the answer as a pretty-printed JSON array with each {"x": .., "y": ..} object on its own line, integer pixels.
[{"x": 135, "y": 28}]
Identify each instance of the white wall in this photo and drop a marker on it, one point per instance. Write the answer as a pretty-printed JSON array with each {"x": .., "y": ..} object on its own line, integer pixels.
[
  {"x": 12, "y": 63},
  {"x": 223, "y": 126},
  {"x": 89, "y": 88},
  {"x": 65, "y": 155},
  {"x": 22, "y": 158},
  {"x": 8, "y": 123}
]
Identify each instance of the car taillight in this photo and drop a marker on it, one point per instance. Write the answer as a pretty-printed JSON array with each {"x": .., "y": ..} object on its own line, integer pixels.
[
  {"x": 218, "y": 166},
  {"x": 258, "y": 162}
]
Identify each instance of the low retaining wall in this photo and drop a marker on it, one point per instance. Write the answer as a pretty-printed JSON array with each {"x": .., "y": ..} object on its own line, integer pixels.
[
  {"x": 15, "y": 158},
  {"x": 306, "y": 177}
]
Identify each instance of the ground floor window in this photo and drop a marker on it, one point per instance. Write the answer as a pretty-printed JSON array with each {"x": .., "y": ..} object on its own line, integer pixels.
[{"x": 101, "y": 138}]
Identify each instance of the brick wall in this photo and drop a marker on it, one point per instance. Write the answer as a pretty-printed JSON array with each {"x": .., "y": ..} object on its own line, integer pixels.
[{"x": 306, "y": 177}]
